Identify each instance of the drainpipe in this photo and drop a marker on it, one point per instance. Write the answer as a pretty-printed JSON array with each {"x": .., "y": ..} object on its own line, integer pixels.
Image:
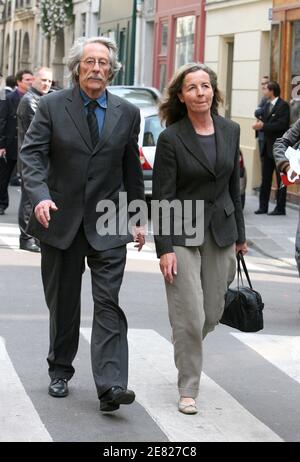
[{"x": 132, "y": 49}]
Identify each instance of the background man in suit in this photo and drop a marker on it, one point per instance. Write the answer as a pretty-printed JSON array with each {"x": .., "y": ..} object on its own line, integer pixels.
[
  {"x": 259, "y": 112},
  {"x": 8, "y": 134},
  {"x": 25, "y": 113},
  {"x": 88, "y": 138},
  {"x": 274, "y": 122},
  {"x": 10, "y": 83}
]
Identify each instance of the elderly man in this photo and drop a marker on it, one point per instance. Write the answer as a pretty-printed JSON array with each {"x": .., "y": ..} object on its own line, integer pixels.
[
  {"x": 28, "y": 105},
  {"x": 88, "y": 137}
]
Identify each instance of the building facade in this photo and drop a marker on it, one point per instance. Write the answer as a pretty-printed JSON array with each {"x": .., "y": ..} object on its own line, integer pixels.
[
  {"x": 179, "y": 37},
  {"x": 237, "y": 47},
  {"x": 23, "y": 43},
  {"x": 118, "y": 21}
]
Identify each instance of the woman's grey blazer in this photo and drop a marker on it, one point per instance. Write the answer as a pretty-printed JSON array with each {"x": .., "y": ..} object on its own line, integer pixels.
[{"x": 182, "y": 171}]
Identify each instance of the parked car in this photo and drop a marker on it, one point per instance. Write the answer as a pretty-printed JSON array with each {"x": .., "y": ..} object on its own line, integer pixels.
[
  {"x": 151, "y": 128},
  {"x": 140, "y": 96},
  {"x": 243, "y": 179}
]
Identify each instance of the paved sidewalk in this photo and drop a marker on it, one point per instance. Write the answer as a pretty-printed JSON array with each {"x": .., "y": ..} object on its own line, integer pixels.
[{"x": 274, "y": 236}]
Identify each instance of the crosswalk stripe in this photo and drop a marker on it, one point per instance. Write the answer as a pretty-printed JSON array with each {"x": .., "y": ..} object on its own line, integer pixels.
[
  {"x": 281, "y": 351},
  {"x": 19, "y": 421},
  {"x": 153, "y": 377}
]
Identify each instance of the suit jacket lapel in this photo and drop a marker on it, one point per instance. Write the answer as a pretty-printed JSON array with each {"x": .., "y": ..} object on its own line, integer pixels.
[
  {"x": 112, "y": 116},
  {"x": 75, "y": 109},
  {"x": 221, "y": 141},
  {"x": 274, "y": 108},
  {"x": 188, "y": 137}
]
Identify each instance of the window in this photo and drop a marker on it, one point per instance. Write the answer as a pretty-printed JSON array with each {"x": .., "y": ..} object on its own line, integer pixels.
[
  {"x": 83, "y": 24},
  {"x": 162, "y": 76},
  {"x": 153, "y": 128},
  {"x": 275, "y": 55},
  {"x": 295, "y": 61},
  {"x": 185, "y": 40},
  {"x": 164, "y": 39}
]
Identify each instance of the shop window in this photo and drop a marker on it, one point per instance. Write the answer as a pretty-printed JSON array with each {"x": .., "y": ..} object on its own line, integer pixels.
[{"x": 185, "y": 40}]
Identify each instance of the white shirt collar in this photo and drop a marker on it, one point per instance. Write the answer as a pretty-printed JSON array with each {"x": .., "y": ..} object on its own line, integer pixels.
[{"x": 274, "y": 101}]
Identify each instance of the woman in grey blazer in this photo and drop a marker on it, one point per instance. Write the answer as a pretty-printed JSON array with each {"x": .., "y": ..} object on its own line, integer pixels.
[{"x": 196, "y": 170}]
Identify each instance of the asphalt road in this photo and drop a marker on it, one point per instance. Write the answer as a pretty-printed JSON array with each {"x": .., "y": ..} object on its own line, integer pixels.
[{"x": 250, "y": 387}]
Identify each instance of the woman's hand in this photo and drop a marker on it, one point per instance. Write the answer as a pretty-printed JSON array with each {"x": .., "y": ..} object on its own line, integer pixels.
[
  {"x": 241, "y": 248},
  {"x": 168, "y": 266}
]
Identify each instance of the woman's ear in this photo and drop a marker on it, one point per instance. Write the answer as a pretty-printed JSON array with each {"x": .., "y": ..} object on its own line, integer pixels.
[{"x": 180, "y": 97}]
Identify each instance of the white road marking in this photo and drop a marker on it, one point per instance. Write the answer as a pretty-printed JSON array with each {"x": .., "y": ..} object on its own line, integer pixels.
[
  {"x": 281, "y": 351},
  {"x": 19, "y": 421},
  {"x": 153, "y": 377}
]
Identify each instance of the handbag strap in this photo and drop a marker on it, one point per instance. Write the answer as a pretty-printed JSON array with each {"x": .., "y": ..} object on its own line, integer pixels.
[{"x": 240, "y": 259}]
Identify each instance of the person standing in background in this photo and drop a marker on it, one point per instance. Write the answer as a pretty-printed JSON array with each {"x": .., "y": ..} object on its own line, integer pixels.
[
  {"x": 8, "y": 134},
  {"x": 25, "y": 113},
  {"x": 259, "y": 113},
  {"x": 275, "y": 120}
]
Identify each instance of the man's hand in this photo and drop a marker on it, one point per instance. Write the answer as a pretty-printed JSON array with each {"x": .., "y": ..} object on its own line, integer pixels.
[
  {"x": 2, "y": 152},
  {"x": 168, "y": 266},
  {"x": 258, "y": 125},
  {"x": 241, "y": 248},
  {"x": 138, "y": 233},
  {"x": 42, "y": 212}
]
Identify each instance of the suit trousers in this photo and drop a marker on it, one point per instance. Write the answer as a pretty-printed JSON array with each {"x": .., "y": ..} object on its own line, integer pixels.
[
  {"x": 265, "y": 189},
  {"x": 196, "y": 302},
  {"x": 62, "y": 277},
  {"x": 24, "y": 213},
  {"x": 6, "y": 168}
]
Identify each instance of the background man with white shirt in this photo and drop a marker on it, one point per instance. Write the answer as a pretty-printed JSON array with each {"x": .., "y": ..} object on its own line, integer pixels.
[{"x": 274, "y": 122}]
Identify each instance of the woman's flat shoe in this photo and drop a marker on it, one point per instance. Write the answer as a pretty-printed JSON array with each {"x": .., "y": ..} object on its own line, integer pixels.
[{"x": 187, "y": 408}]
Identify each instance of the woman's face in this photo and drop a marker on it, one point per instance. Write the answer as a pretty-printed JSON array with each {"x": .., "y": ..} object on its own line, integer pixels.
[{"x": 197, "y": 92}]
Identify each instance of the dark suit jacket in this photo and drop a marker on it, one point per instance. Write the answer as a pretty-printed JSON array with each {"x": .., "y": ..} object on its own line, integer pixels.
[
  {"x": 182, "y": 171},
  {"x": 275, "y": 124},
  {"x": 80, "y": 176},
  {"x": 8, "y": 124}
]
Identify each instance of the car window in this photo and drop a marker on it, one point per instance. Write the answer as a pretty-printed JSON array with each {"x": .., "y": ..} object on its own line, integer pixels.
[
  {"x": 152, "y": 130},
  {"x": 139, "y": 97}
]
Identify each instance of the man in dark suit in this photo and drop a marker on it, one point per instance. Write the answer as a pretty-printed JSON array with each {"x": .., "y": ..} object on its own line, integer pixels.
[
  {"x": 274, "y": 122},
  {"x": 88, "y": 139},
  {"x": 8, "y": 134}
]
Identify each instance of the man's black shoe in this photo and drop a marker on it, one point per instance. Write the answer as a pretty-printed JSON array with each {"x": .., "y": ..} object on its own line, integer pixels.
[
  {"x": 111, "y": 400},
  {"x": 260, "y": 212},
  {"x": 30, "y": 245},
  {"x": 2, "y": 211},
  {"x": 58, "y": 388},
  {"x": 276, "y": 212}
]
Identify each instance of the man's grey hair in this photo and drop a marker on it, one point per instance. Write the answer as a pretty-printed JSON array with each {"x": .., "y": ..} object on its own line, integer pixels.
[{"x": 76, "y": 53}]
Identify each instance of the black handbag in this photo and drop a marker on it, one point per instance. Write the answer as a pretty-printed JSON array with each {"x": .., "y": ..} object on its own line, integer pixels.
[{"x": 243, "y": 305}]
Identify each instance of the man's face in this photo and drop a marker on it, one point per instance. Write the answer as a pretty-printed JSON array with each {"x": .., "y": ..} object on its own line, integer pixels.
[
  {"x": 43, "y": 81},
  {"x": 264, "y": 88},
  {"x": 25, "y": 83},
  {"x": 94, "y": 69}
]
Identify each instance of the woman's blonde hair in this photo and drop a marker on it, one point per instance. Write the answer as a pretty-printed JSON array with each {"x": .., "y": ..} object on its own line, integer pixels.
[{"x": 172, "y": 109}]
